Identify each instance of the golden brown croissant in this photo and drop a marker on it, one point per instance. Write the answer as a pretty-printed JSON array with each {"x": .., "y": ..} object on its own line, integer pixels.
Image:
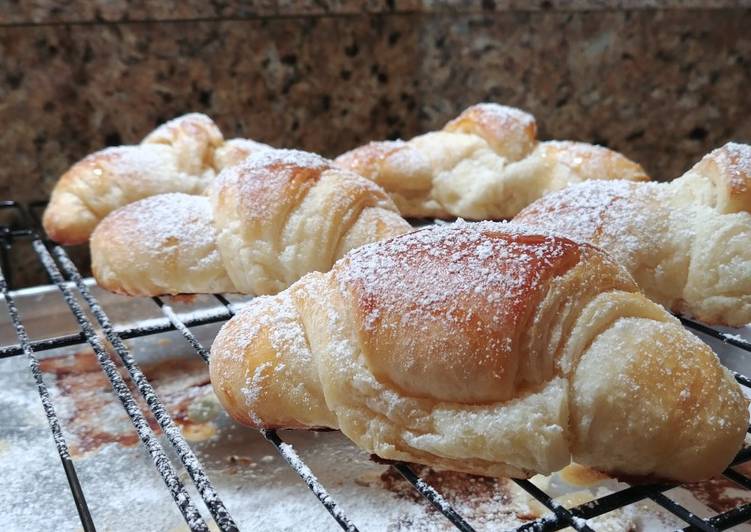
[
  {"x": 487, "y": 349},
  {"x": 182, "y": 155},
  {"x": 485, "y": 164},
  {"x": 266, "y": 222},
  {"x": 686, "y": 242}
]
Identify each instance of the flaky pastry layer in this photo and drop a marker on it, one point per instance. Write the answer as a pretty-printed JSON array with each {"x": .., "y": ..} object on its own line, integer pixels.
[
  {"x": 485, "y": 164},
  {"x": 489, "y": 349},
  {"x": 686, "y": 243}
]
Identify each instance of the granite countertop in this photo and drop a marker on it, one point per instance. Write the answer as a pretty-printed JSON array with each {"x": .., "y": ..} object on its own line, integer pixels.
[{"x": 78, "y": 11}]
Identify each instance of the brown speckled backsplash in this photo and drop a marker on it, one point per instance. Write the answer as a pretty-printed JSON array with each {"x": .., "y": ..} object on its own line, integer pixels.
[{"x": 663, "y": 83}]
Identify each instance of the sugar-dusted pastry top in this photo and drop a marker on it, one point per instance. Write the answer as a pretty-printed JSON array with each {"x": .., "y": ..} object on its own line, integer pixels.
[
  {"x": 485, "y": 164},
  {"x": 486, "y": 348},
  {"x": 685, "y": 242},
  {"x": 182, "y": 155},
  {"x": 264, "y": 223}
]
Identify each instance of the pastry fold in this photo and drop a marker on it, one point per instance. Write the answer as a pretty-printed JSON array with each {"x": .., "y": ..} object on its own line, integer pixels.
[
  {"x": 686, "y": 242},
  {"x": 182, "y": 155},
  {"x": 264, "y": 223},
  {"x": 484, "y": 348},
  {"x": 485, "y": 164}
]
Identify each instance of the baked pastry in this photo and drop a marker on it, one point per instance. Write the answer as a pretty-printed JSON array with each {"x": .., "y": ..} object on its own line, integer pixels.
[
  {"x": 265, "y": 223},
  {"x": 686, "y": 242},
  {"x": 488, "y": 349},
  {"x": 182, "y": 155},
  {"x": 485, "y": 164}
]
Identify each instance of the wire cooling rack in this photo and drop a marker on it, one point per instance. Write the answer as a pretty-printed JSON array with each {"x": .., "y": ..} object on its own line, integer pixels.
[{"x": 63, "y": 273}]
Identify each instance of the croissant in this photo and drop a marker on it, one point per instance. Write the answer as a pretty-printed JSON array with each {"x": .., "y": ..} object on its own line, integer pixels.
[
  {"x": 265, "y": 222},
  {"x": 485, "y": 164},
  {"x": 686, "y": 242},
  {"x": 488, "y": 349},
  {"x": 182, "y": 155}
]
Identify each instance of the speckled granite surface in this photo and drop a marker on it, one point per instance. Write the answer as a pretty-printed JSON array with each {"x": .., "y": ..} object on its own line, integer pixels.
[
  {"x": 56, "y": 11},
  {"x": 662, "y": 85}
]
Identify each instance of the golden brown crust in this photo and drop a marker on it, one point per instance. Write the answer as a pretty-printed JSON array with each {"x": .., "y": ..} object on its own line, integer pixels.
[
  {"x": 235, "y": 151},
  {"x": 274, "y": 184},
  {"x": 91, "y": 188},
  {"x": 494, "y": 283},
  {"x": 269, "y": 326},
  {"x": 400, "y": 168},
  {"x": 195, "y": 135},
  {"x": 484, "y": 324},
  {"x": 650, "y": 385},
  {"x": 67, "y": 230}
]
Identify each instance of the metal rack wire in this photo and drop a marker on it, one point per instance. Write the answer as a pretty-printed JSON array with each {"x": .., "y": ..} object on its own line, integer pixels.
[{"x": 64, "y": 274}]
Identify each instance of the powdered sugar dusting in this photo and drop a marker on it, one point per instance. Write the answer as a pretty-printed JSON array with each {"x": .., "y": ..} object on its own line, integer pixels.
[
  {"x": 429, "y": 270},
  {"x": 576, "y": 155},
  {"x": 735, "y": 159},
  {"x": 595, "y": 211},
  {"x": 270, "y": 326},
  {"x": 164, "y": 222},
  {"x": 252, "y": 389},
  {"x": 453, "y": 284},
  {"x": 275, "y": 157},
  {"x": 275, "y": 316},
  {"x": 129, "y": 162},
  {"x": 259, "y": 488},
  {"x": 289, "y": 454},
  {"x": 198, "y": 119},
  {"x": 261, "y": 186},
  {"x": 504, "y": 113},
  {"x": 362, "y": 160}
]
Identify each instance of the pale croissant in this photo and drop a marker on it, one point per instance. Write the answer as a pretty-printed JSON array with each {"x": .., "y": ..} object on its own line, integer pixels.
[
  {"x": 687, "y": 243},
  {"x": 485, "y": 164},
  {"x": 266, "y": 222},
  {"x": 487, "y": 349},
  {"x": 182, "y": 155}
]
